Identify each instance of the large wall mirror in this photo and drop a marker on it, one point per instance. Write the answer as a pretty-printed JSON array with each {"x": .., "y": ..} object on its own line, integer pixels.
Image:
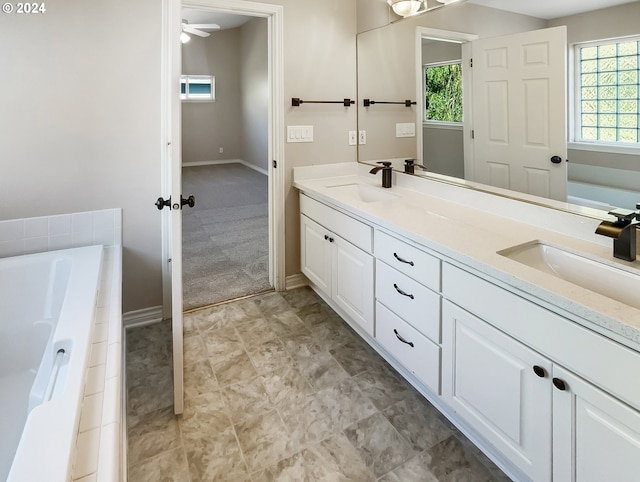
[{"x": 518, "y": 145}]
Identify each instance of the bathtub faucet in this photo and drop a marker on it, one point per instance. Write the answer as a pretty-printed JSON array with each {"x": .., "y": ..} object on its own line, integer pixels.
[{"x": 623, "y": 232}]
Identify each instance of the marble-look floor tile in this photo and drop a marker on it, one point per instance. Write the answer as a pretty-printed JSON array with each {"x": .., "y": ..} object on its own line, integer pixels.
[
  {"x": 301, "y": 345},
  {"x": 286, "y": 384},
  {"x": 301, "y": 297},
  {"x": 381, "y": 447},
  {"x": 199, "y": 378},
  {"x": 322, "y": 370},
  {"x": 335, "y": 458},
  {"x": 221, "y": 343},
  {"x": 227, "y": 314},
  {"x": 170, "y": 466},
  {"x": 333, "y": 334},
  {"x": 317, "y": 313},
  {"x": 255, "y": 332},
  {"x": 383, "y": 386},
  {"x": 216, "y": 456},
  {"x": 286, "y": 323},
  {"x": 271, "y": 303},
  {"x": 200, "y": 419},
  {"x": 356, "y": 357},
  {"x": 269, "y": 356},
  {"x": 450, "y": 462},
  {"x": 418, "y": 421},
  {"x": 194, "y": 350},
  {"x": 416, "y": 468},
  {"x": 246, "y": 399},
  {"x": 234, "y": 368},
  {"x": 147, "y": 395},
  {"x": 264, "y": 440},
  {"x": 154, "y": 433}
]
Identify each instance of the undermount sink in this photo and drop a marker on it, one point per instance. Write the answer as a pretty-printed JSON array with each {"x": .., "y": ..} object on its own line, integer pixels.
[
  {"x": 590, "y": 273},
  {"x": 364, "y": 192}
]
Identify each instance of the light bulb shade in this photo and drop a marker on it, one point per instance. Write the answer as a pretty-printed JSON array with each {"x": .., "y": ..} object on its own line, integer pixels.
[
  {"x": 184, "y": 38},
  {"x": 404, "y": 8}
]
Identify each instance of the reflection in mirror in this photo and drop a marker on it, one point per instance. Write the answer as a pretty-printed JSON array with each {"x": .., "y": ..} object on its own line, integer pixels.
[{"x": 391, "y": 68}]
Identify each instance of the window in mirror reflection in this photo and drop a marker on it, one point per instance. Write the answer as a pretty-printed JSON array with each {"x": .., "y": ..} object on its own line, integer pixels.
[
  {"x": 443, "y": 92},
  {"x": 608, "y": 94}
]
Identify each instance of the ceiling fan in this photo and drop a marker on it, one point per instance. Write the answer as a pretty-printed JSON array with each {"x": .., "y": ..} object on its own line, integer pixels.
[{"x": 198, "y": 29}]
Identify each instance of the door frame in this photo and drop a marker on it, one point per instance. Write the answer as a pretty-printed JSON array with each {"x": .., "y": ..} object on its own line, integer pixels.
[
  {"x": 465, "y": 40},
  {"x": 276, "y": 175}
]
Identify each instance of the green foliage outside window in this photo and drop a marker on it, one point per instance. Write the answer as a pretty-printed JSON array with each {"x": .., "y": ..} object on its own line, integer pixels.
[{"x": 443, "y": 93}]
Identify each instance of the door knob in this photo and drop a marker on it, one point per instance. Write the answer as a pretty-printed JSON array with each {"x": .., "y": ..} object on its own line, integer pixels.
[
  {"x": 190, "y": 201},
  {"x": 161, "y": 203},
  {"x": 556, "y": 159}
]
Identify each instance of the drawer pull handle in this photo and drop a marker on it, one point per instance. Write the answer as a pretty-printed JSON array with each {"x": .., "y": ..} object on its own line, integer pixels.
[
  {"x": 538, "y": 370},
  {"x": 402, "y": 292},
  {"x": 410, "y": 343},
  {"x": 395, "y": 255}
]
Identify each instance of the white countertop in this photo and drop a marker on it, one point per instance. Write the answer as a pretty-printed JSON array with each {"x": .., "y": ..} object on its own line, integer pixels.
[{"x": 470, "y": 227}]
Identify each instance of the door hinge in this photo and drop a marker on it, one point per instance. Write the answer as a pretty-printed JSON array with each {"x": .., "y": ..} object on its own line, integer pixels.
[
  {"x": 470, "y": 62},
  {"x": 473, "y": 134},
  {"x": 275, "y": 163}
]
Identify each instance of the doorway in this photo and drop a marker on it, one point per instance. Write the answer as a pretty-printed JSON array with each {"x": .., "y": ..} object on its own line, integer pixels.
[{"x": 225, "y": 237}]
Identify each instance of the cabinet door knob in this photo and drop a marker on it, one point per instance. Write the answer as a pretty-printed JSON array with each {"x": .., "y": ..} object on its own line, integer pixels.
[
  {"x": 559, "y": 384},
  {"x": 538, "y": 370}
]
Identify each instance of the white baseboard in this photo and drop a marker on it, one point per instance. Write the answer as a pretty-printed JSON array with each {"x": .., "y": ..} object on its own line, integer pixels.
[
  {"x": 226, "y": 161},
  {"x": 295, "y": 281},
  {"x": 142, "y": 317}
]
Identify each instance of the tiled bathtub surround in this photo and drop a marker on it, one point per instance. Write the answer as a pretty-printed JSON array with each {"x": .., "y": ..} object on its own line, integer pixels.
[
  {"x": 277, "y": 387},
  {"x": 48, "y": 233},
  {"x": 99, "y": 447}
]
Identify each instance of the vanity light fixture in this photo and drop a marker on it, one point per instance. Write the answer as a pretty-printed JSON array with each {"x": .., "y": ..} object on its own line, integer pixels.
[{"x": 407, "y": 8}]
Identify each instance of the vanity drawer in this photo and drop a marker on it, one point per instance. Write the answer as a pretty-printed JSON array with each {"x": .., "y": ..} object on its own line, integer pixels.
[
  {"x": 416, "y": 353},
  {"x": 346, "y": 227},
  {"x": 408, "y": 259},
  {"x": 417, "y": 305}
]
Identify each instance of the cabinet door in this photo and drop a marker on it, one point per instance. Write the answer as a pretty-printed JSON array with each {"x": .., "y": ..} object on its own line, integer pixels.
[
  {"x": 352, "y": 282},
  {"x": 595, "y": 436},
  {"x": 489, "y": 379},
  {"x": 316, "y": 253}
]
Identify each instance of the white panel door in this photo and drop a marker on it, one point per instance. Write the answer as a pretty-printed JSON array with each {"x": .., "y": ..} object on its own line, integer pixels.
[
  {"x": 489, "y": 379},
  {"x": 353, "y": 282},
  {"x": 596, "y": 437},
  {"x": 519, "y": 112}
]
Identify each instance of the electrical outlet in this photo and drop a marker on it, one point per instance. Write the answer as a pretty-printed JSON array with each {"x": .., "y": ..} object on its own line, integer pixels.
[
  {"x": 362, "y": 137},
  {"x": 353, "y": 138},
  {"x": 221, "y": 150}
]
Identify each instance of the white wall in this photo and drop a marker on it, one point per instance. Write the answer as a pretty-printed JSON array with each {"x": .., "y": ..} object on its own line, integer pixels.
[
  {"x": 255, "y": 93},
  {"x": 209, "y": 126},
  {"x": 80, "y": 119},
  {"x": 79, "y": 122}
]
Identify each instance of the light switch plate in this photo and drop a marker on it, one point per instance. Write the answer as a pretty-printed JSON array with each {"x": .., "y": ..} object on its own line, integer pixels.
[
  {"x": 353, "y": 138},
  {"x": 406, "y": 129},
  {"x": 299, "y": 133},
  {"x": 362, "y": 137}
]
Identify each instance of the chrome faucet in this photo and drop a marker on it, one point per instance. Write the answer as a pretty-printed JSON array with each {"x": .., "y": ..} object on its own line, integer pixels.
[
  {"x": 623, "y": 232},
  {"x": 386, "y": 172},
  {"x": 410, "y": 165}
]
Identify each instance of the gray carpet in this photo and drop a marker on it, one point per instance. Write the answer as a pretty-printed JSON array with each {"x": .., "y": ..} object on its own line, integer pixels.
[{"x": 225, "y": 240}]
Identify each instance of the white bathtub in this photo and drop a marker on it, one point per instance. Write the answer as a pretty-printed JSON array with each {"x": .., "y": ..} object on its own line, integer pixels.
[{"x": 47, "y": 304}]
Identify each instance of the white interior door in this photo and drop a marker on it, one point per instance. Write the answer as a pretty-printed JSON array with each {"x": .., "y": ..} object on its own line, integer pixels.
[
  {"x": 519, "y": 112},
  {"x": 171, "y": 190}
]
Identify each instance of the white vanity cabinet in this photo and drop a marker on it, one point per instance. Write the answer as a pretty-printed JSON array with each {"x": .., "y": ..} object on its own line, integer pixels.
[
  {"x": 488, "y": 378},
  {"x": 510, "y": 372},
  {"x": 408, "y": 306},
  {"x": 336, "y": 258}
]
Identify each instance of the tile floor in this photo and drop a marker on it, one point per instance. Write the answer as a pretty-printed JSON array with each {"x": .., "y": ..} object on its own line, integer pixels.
[{"x": 278, "y": 387}]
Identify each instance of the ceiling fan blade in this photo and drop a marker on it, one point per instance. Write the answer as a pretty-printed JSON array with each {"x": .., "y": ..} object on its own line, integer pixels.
[
  {"x": 205, "y": 26},
  {"x": 194, "y": 31}
]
